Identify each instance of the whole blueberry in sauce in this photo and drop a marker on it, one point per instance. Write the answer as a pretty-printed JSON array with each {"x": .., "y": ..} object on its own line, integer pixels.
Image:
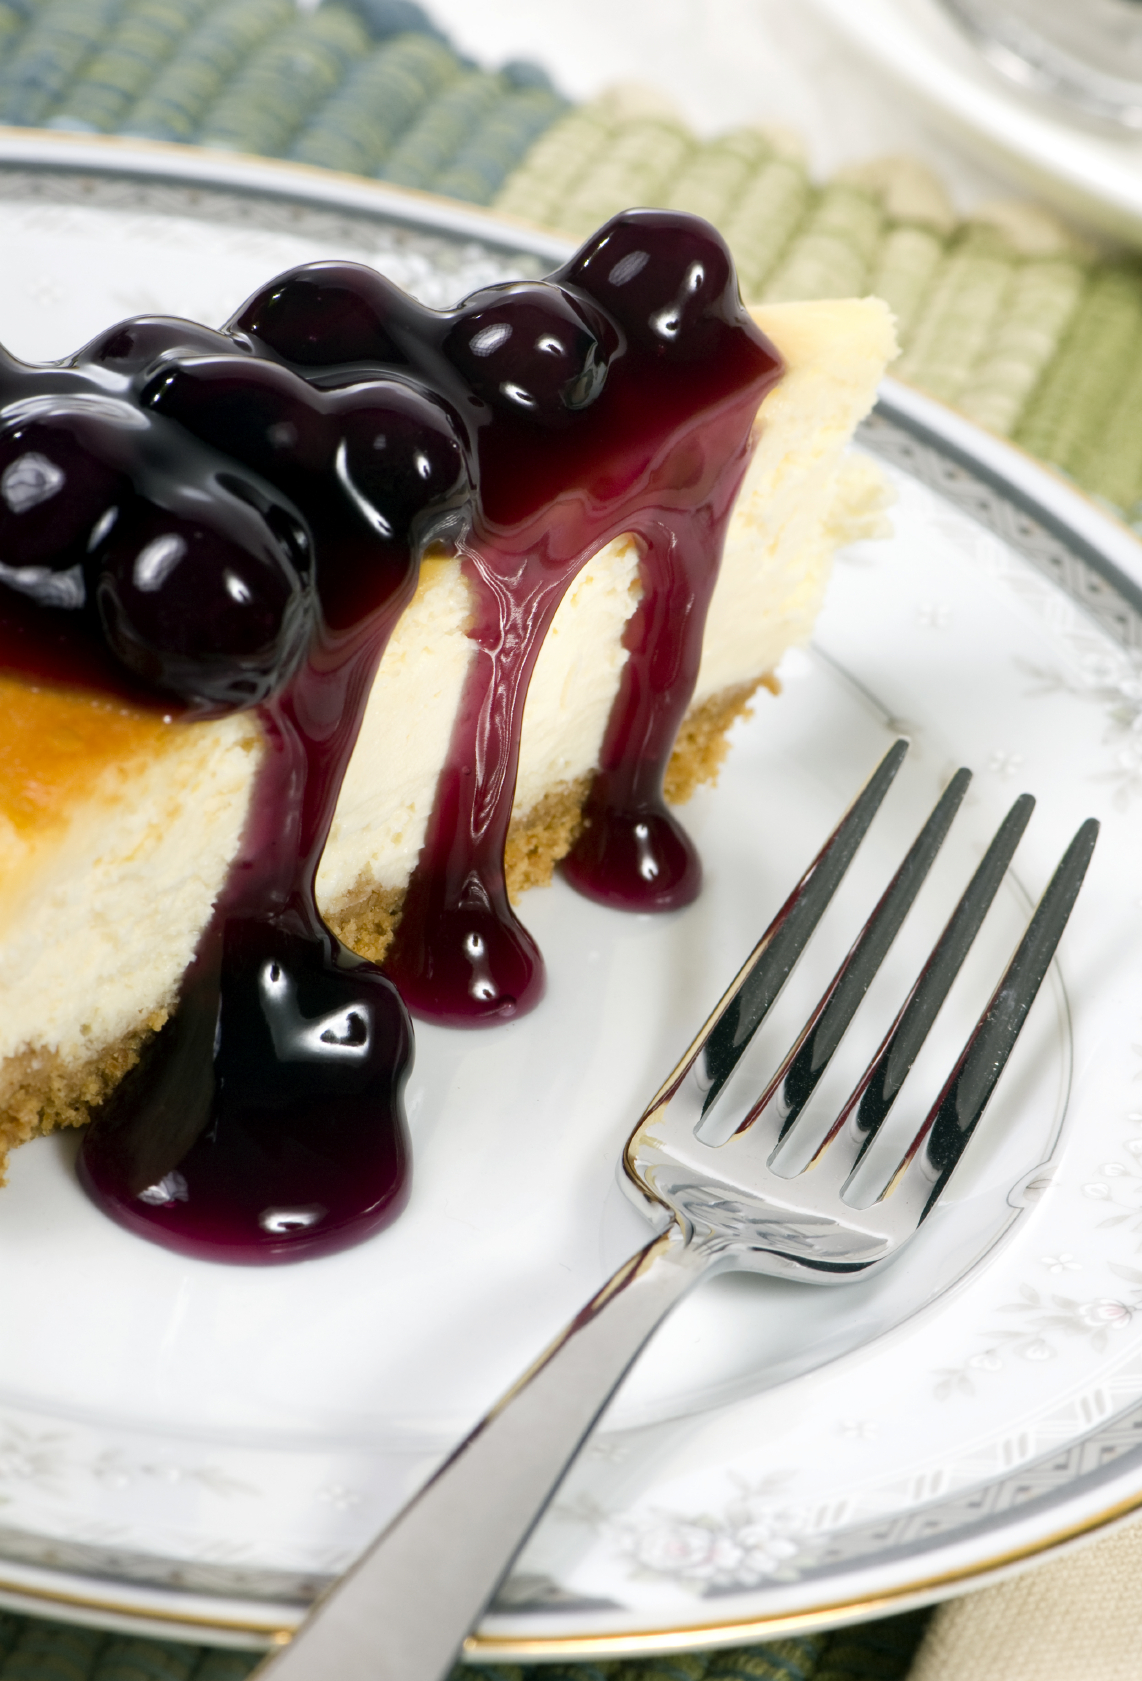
[
  {"x": 534, "y": 351},
  {"x": 215, "y": 610},
  {"x": 218, "y": 520},
  {"x": 327, "y": 315}
]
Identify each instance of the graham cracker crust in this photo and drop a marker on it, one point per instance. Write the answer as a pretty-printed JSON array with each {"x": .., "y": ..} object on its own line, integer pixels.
[
  {"x": 702, "y": 743},
  {"x": 539, "y": 840},
  {"x": 40, "y": 1093},
  {"x": 367, "y": 923}
]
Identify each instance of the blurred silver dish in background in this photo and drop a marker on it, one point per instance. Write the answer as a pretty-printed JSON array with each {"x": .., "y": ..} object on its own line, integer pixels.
[{"x": 1085, "y": 52}]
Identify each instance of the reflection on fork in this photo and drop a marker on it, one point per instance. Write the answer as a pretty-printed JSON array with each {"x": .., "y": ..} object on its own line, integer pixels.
[{"x": 401, "y": 1613}]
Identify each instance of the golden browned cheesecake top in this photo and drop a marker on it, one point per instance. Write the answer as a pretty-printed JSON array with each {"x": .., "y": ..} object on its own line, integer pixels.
[{"x": 56, "y": 743}]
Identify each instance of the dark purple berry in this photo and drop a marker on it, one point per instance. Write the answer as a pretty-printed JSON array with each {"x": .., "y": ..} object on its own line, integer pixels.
[
  {"x": 399, "y": 481},
  {"x": 212, "y": 609},
  {"x": 133, "y": 347},
  {"x": 58, "y": 501},
  {"x": 260, "y": 413},
  {"x": 324, "y": 314},
  {"x": 399, "y": 462},
  {"x": 532, "y": 350},
  {"x": 667, "y": 279},
  {"x": 377, "y": 466}
]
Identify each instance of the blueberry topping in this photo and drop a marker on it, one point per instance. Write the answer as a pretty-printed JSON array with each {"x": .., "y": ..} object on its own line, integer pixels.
[
  {"x": 254, "y": 411},
  {"x": 379, "y": 468},
  {"x": 532, "y": 350},
  {"x": 400, "y": 462},
  {"x": 59, "y": 499},
  {"x": 667, "y": 278},
  {"x": 214, "y": 609},
  {"x": 265, "y": 1121},
  {"x": 328, "y": 314},
  {"x": 134, "y": 347}
]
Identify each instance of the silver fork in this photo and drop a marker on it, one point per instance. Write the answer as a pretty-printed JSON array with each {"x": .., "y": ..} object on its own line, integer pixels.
[{"x": 401, "y": 1613}]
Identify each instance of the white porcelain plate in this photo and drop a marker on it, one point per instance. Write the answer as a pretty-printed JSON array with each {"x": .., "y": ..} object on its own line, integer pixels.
[{"x": 198, "y": 1448}]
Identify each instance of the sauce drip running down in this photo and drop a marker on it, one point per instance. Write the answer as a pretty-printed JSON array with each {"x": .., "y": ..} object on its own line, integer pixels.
[{"x": 208, "y": 521}]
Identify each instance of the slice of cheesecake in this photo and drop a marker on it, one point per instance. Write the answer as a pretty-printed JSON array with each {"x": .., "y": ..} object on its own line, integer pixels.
[{"x": 118, "y": 827}]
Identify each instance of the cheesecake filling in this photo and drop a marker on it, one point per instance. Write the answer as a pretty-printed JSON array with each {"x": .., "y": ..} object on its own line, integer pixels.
[{"x": 245, "y": 518}]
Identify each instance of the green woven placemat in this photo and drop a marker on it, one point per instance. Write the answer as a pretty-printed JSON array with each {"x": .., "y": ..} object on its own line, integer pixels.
[
  {"x": 1007, "y": 316},
  {"x": 368, "y": 86},
  {"x": 33, "y": 1650}
]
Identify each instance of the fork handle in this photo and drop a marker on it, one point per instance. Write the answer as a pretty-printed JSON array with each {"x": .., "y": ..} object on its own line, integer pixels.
[{"x": 402, "y": 1611}]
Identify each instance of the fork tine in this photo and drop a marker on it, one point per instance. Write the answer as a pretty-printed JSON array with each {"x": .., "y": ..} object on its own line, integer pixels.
[
  {"x": 801, "y": 1070},
  {"x": 928, "y": 1162},
  {"x": 758, "y": 983},
  {"x": 879, "y": 1086}
]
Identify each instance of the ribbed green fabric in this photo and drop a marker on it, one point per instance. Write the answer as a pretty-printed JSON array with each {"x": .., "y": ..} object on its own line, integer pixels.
[
  {"x": 224, "y": 1666},
  {"x": 379, "y": 99},
  {"x": 13, "y": 22},
  {"x": 834, "y": 251},
  {"x": 1040, "y": 305},
  {"x": 53, "y": 1652},
  {"x": 714, "y": 177},
  {"x": 904, "y": 270},
  {"x": 538, "y": 187},
  {"x": 681, "y": 1666},
  {"x": 760, "y": 226},
  {"x": 1084, "y": 380},
  {"x": 497, "y": 144},
  {"x": 636, "y": 166},
  {"x": 1109, "y": 463},
  {"x": 174, "y": 106},
  {"x": 879, "y": 1651},
  {"x": 273, "y": 95},
  {"x": 1024, "y": 332},
  {"x": 40, "y": 62},
  {"x": 1036, "y": 344},
  {"x": 33, "y": 1650},
  {"x": 10, "y": 1627},
  {"x": 124, "y": 1659},
  {"x": 959, "y": 315},
  {"x": 145, "y": 38},
  {"x": 782, "y": 1660},
  {"x": 431, "y": 143}
]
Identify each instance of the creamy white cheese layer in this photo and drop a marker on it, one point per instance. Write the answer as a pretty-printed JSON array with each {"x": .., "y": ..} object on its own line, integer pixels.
[
  {"x": 104, "y": 916},
  {"x": 796, "y": 500}
]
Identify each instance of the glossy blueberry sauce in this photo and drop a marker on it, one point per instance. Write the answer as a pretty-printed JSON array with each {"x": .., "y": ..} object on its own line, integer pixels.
[{"x": 207, "y": 521}]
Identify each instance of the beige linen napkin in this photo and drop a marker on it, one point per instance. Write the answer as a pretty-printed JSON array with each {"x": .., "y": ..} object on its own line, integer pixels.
[{"x": 1076, "y": 1619}]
